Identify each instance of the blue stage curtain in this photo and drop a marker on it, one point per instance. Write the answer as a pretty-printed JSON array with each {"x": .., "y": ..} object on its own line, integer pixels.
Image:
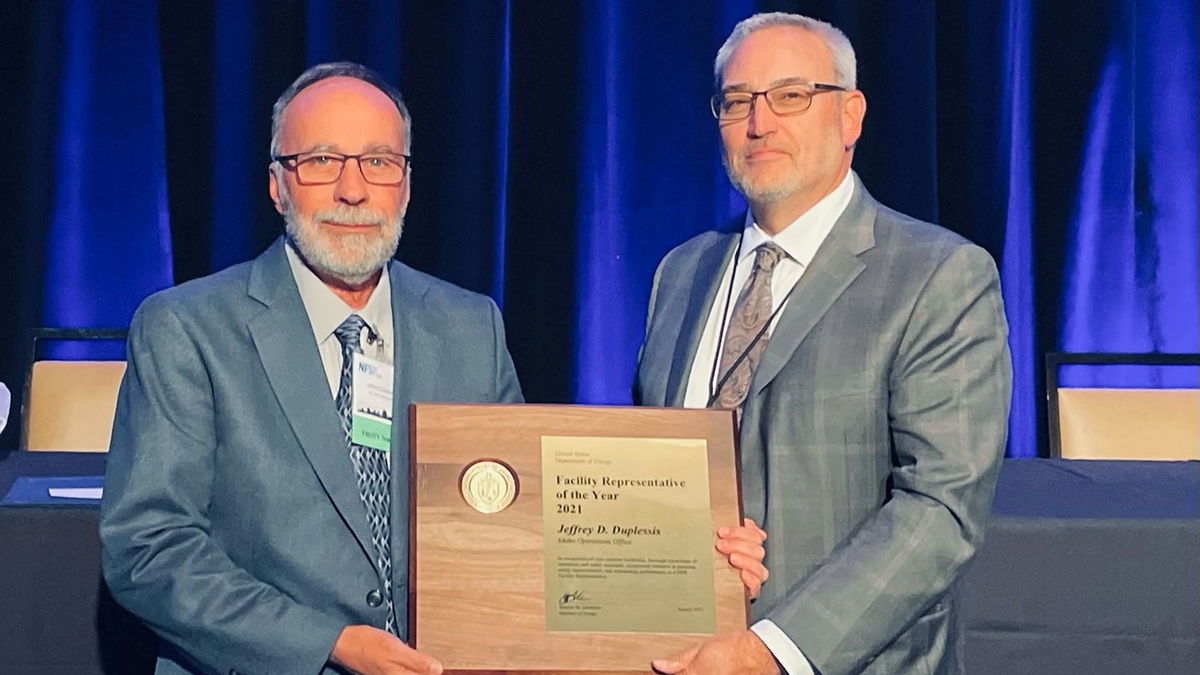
[
  {"x": 1132, "y": 276},
  {"x": 1016, "y": 258},
  {"x": 650, "y": 172},
  {"x": 560, "y": 149},
  {"x": 108, "y": 243}
]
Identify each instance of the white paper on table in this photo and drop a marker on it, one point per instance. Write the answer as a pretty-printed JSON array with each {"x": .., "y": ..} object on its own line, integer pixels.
[{"x": 77, "y": 493}]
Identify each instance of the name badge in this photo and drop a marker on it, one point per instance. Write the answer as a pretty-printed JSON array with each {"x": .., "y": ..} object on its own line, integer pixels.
[{"x": 371, "y": 403}]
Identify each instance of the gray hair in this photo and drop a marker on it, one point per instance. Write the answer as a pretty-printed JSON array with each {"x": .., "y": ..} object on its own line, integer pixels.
[
  {"x": 337, "y": 69},
  {"x": 845, "y": 66}
]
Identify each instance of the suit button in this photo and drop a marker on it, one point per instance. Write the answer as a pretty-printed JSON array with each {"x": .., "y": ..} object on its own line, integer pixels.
[{"x": 375, "y": 598}]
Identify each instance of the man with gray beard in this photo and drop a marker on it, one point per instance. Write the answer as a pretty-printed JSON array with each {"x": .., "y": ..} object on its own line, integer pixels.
[
  {"x": 865, "y": 354},
  {"x": 256, "y": 505}
]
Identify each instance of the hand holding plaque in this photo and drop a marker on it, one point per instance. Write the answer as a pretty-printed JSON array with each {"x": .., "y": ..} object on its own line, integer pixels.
[
  {"x": 744, "y": 548},
  {"x": 739, "y": 652}
]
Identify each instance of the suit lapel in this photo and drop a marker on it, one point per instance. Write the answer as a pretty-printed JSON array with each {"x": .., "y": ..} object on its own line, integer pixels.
[
  {"x": 710, "y": 269},
  {"x": 833, "y": 268},
  {"x": 283, "y": 337}
]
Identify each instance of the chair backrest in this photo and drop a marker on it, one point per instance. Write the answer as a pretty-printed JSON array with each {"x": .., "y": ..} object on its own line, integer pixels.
[
  {"x": 1129, "y": 423},
  {"x": 70, "y": 405},
  {"x": 1121, "y": 423}
]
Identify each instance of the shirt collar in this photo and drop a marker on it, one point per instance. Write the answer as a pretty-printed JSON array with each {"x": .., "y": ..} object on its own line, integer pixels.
[
  {"x": 803, "y": 236},
  {"x": 326, "y": 311}
]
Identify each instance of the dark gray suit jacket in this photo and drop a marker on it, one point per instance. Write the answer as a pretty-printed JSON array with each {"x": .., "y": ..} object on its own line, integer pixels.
[
  {"x": 231, "y": 520},
  {"x": 872, "y": 433}
]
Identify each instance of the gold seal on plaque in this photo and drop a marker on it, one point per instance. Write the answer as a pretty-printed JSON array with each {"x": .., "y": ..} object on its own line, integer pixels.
[{"x": 488, "y": 486}]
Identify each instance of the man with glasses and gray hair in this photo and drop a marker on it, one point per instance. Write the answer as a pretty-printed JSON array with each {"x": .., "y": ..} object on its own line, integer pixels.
[
  {"x": 256, "y": 504},
  {"x": 866, "y": 354}
]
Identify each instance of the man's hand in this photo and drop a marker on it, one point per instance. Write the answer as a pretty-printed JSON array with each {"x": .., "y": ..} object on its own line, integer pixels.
[
  {"x": 366, "y": 650},
  {"x": 728, "y": 653},
  {"x": 744, "y": 548}
]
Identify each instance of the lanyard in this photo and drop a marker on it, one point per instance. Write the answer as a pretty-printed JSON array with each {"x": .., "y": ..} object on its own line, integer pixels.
[{"x": 715, "y": 389}]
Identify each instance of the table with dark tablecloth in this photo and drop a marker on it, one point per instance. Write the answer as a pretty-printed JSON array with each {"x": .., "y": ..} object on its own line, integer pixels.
[
  {"x": 55, "y": 614},
  {"x": 1088, "y": 568}
]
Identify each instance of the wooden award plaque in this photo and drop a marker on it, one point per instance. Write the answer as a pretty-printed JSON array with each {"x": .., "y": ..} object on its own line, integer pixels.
[{"x": 479, "y": 552}]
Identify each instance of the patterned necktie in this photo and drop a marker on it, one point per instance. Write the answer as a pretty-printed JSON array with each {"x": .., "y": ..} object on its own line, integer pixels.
[
  {"x": 750, "y": 313},
  {"x": 370, "y": 466}
]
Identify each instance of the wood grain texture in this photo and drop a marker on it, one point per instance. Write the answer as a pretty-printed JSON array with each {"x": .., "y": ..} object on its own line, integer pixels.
[{"x": 476, "y": 580}]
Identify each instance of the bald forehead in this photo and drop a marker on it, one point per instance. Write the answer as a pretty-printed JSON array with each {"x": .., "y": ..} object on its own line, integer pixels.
[
  {"x": 342, "y": 101},
  {"x": 779, "y": 49},
  {"x": 340, "y": 92}
]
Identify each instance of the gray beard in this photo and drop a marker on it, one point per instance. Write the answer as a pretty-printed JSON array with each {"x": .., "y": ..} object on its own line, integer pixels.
[
  {"x": 359, "y": 256},
  {"x": 768, "y": 195}
]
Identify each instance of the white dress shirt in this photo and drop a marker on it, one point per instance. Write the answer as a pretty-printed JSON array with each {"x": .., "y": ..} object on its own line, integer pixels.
[{"x": 800, "y": 240}]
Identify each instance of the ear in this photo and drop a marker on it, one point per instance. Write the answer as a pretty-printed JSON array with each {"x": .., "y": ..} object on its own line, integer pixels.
[
  {"x": 854, "y": 109},
  {"x": 273, "y": 188},
  {"x": 407, "y": 193}
]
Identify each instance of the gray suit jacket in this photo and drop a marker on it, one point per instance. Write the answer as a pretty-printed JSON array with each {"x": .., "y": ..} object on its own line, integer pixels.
[
  {"x": 872, "y": 433},
  {"x": 231, "y": 520}
]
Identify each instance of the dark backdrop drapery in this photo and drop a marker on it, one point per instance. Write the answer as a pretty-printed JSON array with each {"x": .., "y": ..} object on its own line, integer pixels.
[{"x": 560, "y": 148}]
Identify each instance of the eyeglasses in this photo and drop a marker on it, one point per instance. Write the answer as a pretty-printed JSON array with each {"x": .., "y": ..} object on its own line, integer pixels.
[
  {"x": 323, "y": 168},
  {"x": 788, "y": 99}
]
